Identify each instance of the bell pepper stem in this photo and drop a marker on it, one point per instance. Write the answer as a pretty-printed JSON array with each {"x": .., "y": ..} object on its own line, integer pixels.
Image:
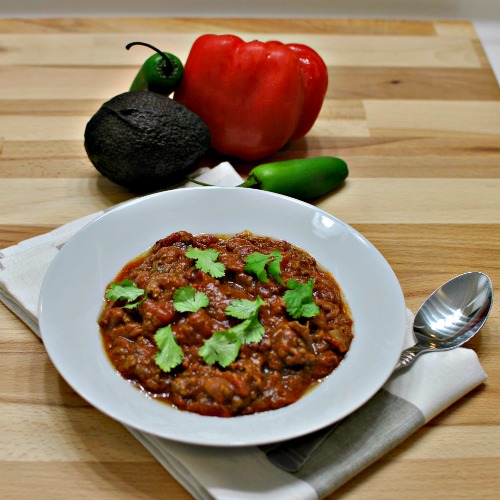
[{"x": 169, "y": 68}]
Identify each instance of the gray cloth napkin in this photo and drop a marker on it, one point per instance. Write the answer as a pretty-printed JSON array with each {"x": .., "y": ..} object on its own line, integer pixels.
[{"x": 307, "y": 468}]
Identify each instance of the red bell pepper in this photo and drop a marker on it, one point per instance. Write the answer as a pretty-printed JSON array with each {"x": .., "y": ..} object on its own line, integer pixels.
[{"x": 254, "y": 97}]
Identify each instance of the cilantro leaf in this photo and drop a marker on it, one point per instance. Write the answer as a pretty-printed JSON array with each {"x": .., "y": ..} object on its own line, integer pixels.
[
  {"x": 126, "y": 290},
  {"x": 244, "y": 308},
  {"x": 187, "y": 299},
  {"x": 299, "y": 299},
  {"x": 222, "y": 347},
  {"x": 170, "y": 353},
  {"x": 206, "y": 261},
  {"x": 250, "y": 330},
  {"x": 274, "y": 266},
  {"x": 256, "y": 263}
]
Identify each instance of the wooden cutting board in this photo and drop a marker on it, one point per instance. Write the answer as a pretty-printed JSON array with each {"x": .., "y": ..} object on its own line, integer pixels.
[{"x": 414, "y": 109}]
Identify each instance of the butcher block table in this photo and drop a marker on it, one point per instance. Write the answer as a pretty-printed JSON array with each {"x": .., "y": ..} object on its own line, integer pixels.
[{"x": 414, "y": 109}]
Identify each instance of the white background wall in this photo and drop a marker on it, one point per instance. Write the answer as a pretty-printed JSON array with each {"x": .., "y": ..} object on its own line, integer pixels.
[{"x": 450, "y": 9}]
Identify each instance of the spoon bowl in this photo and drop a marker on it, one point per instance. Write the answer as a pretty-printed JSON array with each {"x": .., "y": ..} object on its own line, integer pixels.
[{"x": 451, "y": 315}]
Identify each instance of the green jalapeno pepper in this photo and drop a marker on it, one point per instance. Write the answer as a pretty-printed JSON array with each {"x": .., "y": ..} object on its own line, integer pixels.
[
  {"x": 161, "y": 73},
  {"x": 305, "y": 179}
]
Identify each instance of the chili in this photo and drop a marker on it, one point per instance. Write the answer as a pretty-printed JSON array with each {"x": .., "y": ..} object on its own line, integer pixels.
[{"x": 292, "y": 355}]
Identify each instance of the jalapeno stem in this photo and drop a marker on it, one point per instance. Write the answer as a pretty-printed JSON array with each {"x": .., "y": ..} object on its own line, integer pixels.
[
  {"x": 169, "y": 67},
  {"x": 251, "y": 182}
]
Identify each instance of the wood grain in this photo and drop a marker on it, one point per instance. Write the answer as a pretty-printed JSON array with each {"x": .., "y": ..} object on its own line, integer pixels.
[{"x": 412, "y": 106}]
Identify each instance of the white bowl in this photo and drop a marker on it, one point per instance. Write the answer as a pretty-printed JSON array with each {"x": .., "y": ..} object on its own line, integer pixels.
[{"x": 72, "y": 297}]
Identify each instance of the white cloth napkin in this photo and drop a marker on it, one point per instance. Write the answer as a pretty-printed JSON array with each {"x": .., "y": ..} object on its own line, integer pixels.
[{"x": 307, "y": 468}]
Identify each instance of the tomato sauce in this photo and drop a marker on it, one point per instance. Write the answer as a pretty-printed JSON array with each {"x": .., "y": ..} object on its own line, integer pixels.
[{"x": 293, "y": 354}]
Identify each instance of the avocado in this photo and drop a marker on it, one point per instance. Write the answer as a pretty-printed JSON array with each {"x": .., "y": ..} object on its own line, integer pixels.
[{"x": 145, "y": 141}]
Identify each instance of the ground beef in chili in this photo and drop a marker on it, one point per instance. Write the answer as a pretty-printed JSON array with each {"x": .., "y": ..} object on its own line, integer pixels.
[{"x": 275, "y": 372}]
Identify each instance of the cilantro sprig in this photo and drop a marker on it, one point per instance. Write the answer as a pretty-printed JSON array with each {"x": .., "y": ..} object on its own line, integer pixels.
[
  {"x": 206, "y": 260},
  {"x": 128, "y": 291},
  {"x": 299, "y": 299},
  {"x": 244, "y": 308},
  {"x": 169, "y": 353},
  {"x": 250, "y": 330},
  {"x": 256, "y": 264},
  {"x": 223, "y": 346},
  {"x": 187, "y": 299}
]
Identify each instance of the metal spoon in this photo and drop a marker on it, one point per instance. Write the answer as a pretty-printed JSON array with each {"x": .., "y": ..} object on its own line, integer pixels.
[{"x": 451, "y": 315}]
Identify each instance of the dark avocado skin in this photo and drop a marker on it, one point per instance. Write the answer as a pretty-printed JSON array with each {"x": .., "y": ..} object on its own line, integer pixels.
[{"x": 145, "y": 141}]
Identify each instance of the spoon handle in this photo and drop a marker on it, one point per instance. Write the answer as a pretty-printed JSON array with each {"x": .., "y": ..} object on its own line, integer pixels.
[{"x": 408, "y": 357}]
